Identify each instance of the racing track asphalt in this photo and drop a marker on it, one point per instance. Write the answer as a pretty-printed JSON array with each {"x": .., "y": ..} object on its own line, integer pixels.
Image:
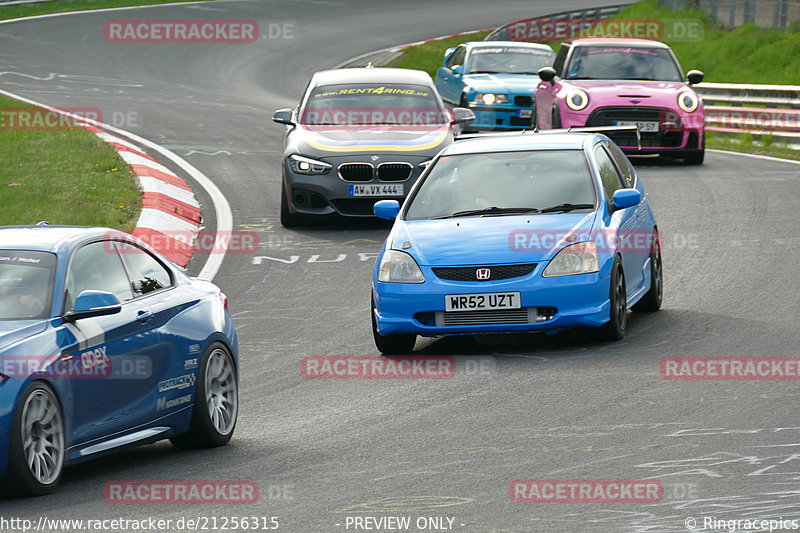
[{"x": 559, "y": 406}]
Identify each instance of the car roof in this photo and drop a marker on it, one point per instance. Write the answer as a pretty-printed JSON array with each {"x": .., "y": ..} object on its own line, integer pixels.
[
  {"x": 616, "y": 41},
  {"x": 520, "y": 44},
  {"x": 371, "y": 75},
  {"x": 49, "y": 238},
  {"x": 523, "y": 141}
]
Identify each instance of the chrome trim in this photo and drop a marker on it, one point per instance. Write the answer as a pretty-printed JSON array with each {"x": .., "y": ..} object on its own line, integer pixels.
[{"x": 339, "y": 173}]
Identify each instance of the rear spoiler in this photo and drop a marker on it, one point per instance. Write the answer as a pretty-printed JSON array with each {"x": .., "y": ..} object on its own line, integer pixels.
[{"x": 581, "y": 129}]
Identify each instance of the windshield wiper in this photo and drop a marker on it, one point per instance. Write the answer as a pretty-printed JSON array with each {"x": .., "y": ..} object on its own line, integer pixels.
[
  {"x": 486, "y": 72},
  {"x": 564, "y": 208},
  {"x": 491, "y": 211}
]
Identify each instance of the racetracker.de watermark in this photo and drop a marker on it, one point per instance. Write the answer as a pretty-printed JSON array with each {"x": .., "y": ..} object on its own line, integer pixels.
[
  {"x": 360, "y": 117},
  {"x": 181, "y": 492},
  {"x": 730, "y": 368},
  {"x": 88, "y": 364},
  {"x": 545, "y": 241},
  {"x": 585, "y": 491},
  {"x": 181, "y": 31},
  {"x": 206, "y": 242},
  {"x": 37, "y": 119},
  {"x": 556, "y": 29}
]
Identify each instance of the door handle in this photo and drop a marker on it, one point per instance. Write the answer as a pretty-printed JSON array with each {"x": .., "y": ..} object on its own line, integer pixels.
[{"x": 144, "y": 315}]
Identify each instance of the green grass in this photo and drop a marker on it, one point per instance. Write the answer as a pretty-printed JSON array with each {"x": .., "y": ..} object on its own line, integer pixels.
[
  {"x": 746, "y": 54},
  {"x": 62, "y": 6},
  {"x": 63, "y": 177},
  {"x": 768, "y": 145},
  {"x": 430, "y": 56}
]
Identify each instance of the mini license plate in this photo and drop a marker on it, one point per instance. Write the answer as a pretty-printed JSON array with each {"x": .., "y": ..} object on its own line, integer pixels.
[
  {"x": 482, "y": 302},
  {"x": 648, "y": 127},
  {"x": 377, "y": 189},
  {"x": 524, "y": 113}
]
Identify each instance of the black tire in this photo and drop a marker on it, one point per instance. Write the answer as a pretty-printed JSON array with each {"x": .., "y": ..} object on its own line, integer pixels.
[
  {"x": 402, "y": 343},
  {"x": 694, "y": 157},
  {"x": 556, "y": 121},
  {"x": 652, "y": 300},
  {"x": 46, "y": 429},
  {"x": 218, "y": 373},
  {"x": 288, "y": 219},
  {"x": 614, "y": 330},
  {"x": 464, "y": 103}
]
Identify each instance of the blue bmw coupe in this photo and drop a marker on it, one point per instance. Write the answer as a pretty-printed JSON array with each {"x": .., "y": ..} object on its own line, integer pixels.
[
  {"x": 517, "y": 232},
  {"x": 104, "y": 344}
]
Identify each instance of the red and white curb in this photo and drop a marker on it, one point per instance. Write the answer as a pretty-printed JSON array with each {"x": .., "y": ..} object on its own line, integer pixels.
[{"x": 171, "y": 216}]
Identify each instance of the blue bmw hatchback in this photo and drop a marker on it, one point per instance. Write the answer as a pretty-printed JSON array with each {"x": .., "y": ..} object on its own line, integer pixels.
[
  {"x": 514, "y": 233},
  {"x": 104, "y": 344}
]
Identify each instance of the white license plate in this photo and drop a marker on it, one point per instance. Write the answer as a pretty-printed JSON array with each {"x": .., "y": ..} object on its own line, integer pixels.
[
  {"x": 379, "y": 189},
  {"x": 524, "y": 113},
  {"x": 482, "y": 302},
  {"x": 649, "y": 127}
]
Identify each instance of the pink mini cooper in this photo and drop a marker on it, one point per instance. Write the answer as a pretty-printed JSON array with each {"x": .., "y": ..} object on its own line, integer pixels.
[{"x": 625, "y": 82}]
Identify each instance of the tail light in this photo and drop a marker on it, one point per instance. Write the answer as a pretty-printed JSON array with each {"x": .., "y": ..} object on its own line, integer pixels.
[{"x": 224, "y": 300}]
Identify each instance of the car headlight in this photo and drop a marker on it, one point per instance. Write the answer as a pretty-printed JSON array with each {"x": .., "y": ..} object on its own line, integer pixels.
[
  {"x": 577, "y": 99},
  {"x": 688, "y": 101},
  {"x": 305, "y": 165},
  {"x": 490, "y": 98},
  {"x": 578, "y": 258},
  {"x": 399, "y": 267}
]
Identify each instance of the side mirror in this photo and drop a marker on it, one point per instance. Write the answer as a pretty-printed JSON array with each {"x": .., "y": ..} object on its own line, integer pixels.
[
  {"x": 547, "y": 74},
  {"x": 694, "y": 76},
  {"x": 447, "y": 53},
  {"x": 387, "y": 209},
  {"x": 283, "y": 116},
  {"x": 462, "y": 115},
  {"x": 93, "y": 303},
  {"x": 458, "y": 70},
  {"x": 626, "y": 198}
]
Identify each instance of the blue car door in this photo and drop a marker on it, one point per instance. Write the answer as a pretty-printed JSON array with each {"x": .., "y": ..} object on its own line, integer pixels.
[
  {"x": 451, "y": 84},
  {"x": 109, "y": 401},
  {"x": 159, "y": 300},
  {"x": 624, "y": 223}
]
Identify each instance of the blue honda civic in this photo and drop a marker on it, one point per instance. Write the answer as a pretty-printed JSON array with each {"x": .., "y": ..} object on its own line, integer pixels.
[
  {"x": 104, "y": 344},
  {"x": 516, "y": 233}
]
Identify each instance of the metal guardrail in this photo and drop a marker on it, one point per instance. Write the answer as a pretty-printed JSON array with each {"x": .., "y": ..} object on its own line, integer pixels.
[
  {"x": 4, "y": 3},
  {"x": 502, "y": 33},
  {"x": 755, "y": 109}
]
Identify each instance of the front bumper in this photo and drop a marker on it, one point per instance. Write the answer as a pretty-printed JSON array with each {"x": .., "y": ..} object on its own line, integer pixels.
[
  {"x": 328, "y": 194},
  {"x": 579, "y": 300},
  {"x": 508, "y": 117},
  {"x": 678, "y": 131}
]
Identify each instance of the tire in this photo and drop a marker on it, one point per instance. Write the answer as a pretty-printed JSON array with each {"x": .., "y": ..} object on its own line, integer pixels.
[
  {"x": 288, "y": 219},
  {"x": 402, "y": 343},
  {"x": 614, "y": 330},
  {"x": 36, "y": 470},
  {"x": 463, "y": 103},
  {"x": 652, "y": 300},
  {"x": 694, "y": 157},
  {"x": 216, "y": 402},
  {"x": 556, "y": 121}
]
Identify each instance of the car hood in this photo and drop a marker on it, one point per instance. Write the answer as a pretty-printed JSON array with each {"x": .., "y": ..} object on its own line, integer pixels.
[
  {"x": 13, "y": 331},
  {"x": 488, "y": 240},
  {"x": 325, "y": 140},
  {"x": 503, "y": 83},
  {"x": 647, "y": 93}
]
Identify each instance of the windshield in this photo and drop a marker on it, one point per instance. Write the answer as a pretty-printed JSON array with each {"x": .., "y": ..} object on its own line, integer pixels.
[
  {"x": 508, "y": 60},
  {"x": 620, "y": 63},
  {"x": 503, "y": 183},
  {"x": 26, "y": 284},
  {"x": 373, "y": 104}
]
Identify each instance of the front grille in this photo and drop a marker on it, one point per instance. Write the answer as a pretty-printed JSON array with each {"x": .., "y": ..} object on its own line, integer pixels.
[
  {"x": 394, "y": 171},
  {"x": 497, "y": 272},
  {"x": 523, "y": 101},
  {"x": 355, "y": 206},
  {"x": 497, "y": 316},
  {"x": 356, "y": 171},
  {"x": 606, "y": 116},
  {"x": 519, "y": 121}
]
